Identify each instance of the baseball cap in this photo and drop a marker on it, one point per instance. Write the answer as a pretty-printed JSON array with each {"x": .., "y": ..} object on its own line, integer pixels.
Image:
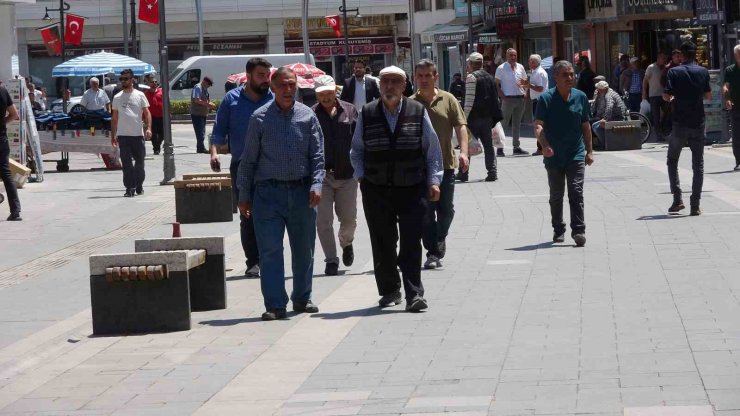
[
  {"x": 475, "y": 57},
  {"x": 324, "y": 83}
]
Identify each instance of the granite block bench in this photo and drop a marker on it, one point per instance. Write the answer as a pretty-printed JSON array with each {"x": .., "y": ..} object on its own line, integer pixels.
[
  {"x": 203, "y": 200},
  {"x": 142, "y": 292},
  {"x": 207, "y": 281},
  {"x": 220, "y": 175}
]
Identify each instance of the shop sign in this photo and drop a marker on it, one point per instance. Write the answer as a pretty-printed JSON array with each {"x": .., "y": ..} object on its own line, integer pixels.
[
  {"x": 319, "y": 23},
  {"x": 329, "y": 47},
  {"x": 488, "y": 38},
  {"x": 489, "y": 15},
  {"x": 707, "y": 12},
  {"x": 451, "y": 37},
  {"x": 636, "y": 7},
  {"x": 510, "y": 16},
  {"x": 461, "y": 8},
  {"x": 601, "y": 9}
]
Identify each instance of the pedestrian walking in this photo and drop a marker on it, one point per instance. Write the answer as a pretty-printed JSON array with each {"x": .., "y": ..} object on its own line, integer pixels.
[
  {"x": 446, "y": 116},
  {"x": 361, "y": 88},
  {"x": 200, "y": 106},
  {"x": 631, "y": 82},
  {"x": 339, "y": 191},
  {"x": 280, "y": 179},
  {"x": 731, "y": 94},
  {"x": 538, "y": 82},
  {"x": 397, "y": 159},
  {"x": 562, "y": 127},
  {"x": 232, "y": 122},
  {"x": 457, "y": 87},
  {"x": 652, "y": 92},
  {"x": 511, "y": 79},
  {"x": 154, "y": 96},
  {"x": 686, "y": 88},
  {"x": 130, "y": 124},
  {"x": 9, "y": 113},
  {"x": 482, "y": 112}
]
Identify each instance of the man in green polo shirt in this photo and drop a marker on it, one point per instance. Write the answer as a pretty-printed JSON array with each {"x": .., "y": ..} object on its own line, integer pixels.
[
  {"x": 562, "y": 128},
  {"x": 446, "y": 115},
  {"x": 731, "y": 92}
]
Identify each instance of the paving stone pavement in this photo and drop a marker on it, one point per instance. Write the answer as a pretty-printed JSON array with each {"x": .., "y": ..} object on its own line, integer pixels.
[{"x": 643, "y": 321}]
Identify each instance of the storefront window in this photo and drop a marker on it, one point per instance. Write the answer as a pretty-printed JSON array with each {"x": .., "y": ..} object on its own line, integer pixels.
[
  {"x": 445, "y": 4},
  {"x": 422, "y": 5}
]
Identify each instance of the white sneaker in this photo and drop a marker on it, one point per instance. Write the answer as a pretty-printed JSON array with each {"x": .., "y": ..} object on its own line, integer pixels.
[{"x": 253, "y": 271}]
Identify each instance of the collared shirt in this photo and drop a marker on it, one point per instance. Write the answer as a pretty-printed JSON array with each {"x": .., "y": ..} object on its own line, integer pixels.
[
  {"x": 429, "y": 144},
  {"x": 609, "y": 107},
  {"x": 232, "y": 120},
  {"x": 338, "y": 131},
  {"x": 446, "y": 114},
  {"x": 510, "y": 78},
  {"x": 563, "y": 122},
  {"x": 94, "y": 100},
  {"x": 199, "y": 93},
  {"x": 284, "y": 146},
  {"x": 635, "y": 82},
  {"x": 360, "y": 98},
  {"x": 539, "y": 78},
  {"x": 687, "y": 84}
]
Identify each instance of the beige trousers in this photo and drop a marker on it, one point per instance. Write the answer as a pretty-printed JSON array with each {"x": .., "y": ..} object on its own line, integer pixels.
[{"x": 338, "y": 195}]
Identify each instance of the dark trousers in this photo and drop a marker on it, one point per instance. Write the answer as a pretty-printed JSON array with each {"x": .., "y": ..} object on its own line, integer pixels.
[
  {"x": 534, "y": 117},
  {"x": 658, "y": 115},
  {"x": 246, "y": 224},
  {"x": 440, "y": 214},
  {"x": 157, "y": 133},
  {"x": 735, "y": 114},
  {"x": 132, "y": 149},
  {"x": 695, "y": 139},
  {"x": 390, "y": 213},
  {"x": 199, "y": 125},
  {"x": 633, "y": 103},
  {"x": 13, "y": 201},
  {"x": 481, "y": 128},
  {"x": 558, "y": 178}
]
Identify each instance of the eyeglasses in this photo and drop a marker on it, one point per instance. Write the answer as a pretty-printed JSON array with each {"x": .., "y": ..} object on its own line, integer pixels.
[{"x": 124, "y": 79}]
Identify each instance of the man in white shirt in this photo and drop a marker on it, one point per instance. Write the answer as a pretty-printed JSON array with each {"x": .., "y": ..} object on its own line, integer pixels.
[
  {"x": 511, "y": 78},
  {"x": 95, "y": 99},
  {"x": 538, "y": 83},
  {"x": 130, "y": 109},
  {"x": 38, "y": 96},
  {"x": 360, "y": 89},
  {"x": 652, "y": 91}
]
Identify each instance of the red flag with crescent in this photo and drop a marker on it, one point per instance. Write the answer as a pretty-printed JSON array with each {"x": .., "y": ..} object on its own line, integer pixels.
[
  {"x": 50, "y": 35},
  {"x": 334, "y": 23},
  {"x": 73, "y": 29},
  {"x": 149, "y": 11}
]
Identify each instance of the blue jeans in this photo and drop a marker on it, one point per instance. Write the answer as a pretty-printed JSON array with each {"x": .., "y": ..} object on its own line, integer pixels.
[
  {"x": 600, "y": 133},
  {"x": 439, "y": 215},
  {"x": 199, "y": 125},
  {"x": 278, "y": 206}
]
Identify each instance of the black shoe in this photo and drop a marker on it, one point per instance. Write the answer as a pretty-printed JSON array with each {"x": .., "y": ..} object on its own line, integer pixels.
[
  {"x": 130, "y": 193},
  {"x": 580, "y": 239},
  {"x": 432, "y": 262},
  {"x": 520, "y": 152},
  {"x": 677, "y": 206},
  {"x": 202, "y": 151},
  {"x": 348, "y": 255},
  {"x": 307, "y": 307},
  {"x": 491, "y": 178},
  {"x": 538, "y": 152},
  {"x": 559, "y": 237},
  {"x": 500, "y": 153},
  {"x": 462, "y": 176},
  {"x": 139, "y": 191},
  {"x": 695, "y": 211},
  {"x": 390, "y": 300},
  {"x": 15, "y": 216},
  {"x": 156, "y": 152},
  {"x": 332, "y": 269},
  {"x": 737, "y": 168},
  {"x": 442, "y": 249},
  {"x": 274, "y": 314},
  {"x": 417, "y": 304}
]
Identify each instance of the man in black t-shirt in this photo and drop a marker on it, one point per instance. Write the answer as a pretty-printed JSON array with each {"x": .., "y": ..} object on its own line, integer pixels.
[
  {"x": 686, "y": 88},
  {"x": 8, "y": 113},
  {"x": 731, "y": 94}
]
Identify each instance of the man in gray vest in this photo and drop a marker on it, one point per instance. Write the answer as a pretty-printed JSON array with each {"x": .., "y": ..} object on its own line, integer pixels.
[{"x": 397, "y": 158}]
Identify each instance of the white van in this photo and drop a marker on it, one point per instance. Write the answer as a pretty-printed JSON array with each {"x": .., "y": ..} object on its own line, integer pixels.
[{"x": 218, "y": 68}]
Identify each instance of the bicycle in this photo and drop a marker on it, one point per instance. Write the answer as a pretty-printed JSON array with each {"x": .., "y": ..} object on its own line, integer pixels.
[{"x": 646, "y": 126}]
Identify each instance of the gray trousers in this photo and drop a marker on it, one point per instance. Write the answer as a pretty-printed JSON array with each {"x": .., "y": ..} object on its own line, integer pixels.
[
  {"x": 513, "y": 110},
  {"x": 694, "y": 137},
  {"x": 338, "y": 195}
]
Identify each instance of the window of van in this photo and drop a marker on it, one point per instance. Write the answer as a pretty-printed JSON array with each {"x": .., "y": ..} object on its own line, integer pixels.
[{"x": 187, "y": 80}]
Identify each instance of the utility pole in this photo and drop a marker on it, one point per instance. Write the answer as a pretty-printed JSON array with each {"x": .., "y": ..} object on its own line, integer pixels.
[
  {"x": 412, "y": 33},
  {"x": 124, "y": 26},
  {"x": 134, "y": 48},
  {"x": 343, "y": 9},
  {"x": 169, "y": 149},
  {"x": 470, "y": 27},
  {"x": 304, "y": 27},
  {"x": 199, "y": 16}
]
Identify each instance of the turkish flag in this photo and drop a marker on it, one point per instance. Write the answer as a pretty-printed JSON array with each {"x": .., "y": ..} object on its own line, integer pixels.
[
  {"x": 50, "y": 35},
  {"x": 149, "y": 11},
  {"x": 73, "y": 29},
  {"x": 334, "y": 23}
]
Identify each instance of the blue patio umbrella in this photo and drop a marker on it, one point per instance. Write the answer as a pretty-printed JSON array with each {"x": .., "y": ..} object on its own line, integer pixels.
[{"x": 101, "y": 63}]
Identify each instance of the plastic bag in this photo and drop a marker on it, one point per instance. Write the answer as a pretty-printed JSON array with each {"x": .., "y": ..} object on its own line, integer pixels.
[
  {"x": 475, "y": 147},
  {"x": 645, "y": 108},
  {"x": 498, "y": 136}
]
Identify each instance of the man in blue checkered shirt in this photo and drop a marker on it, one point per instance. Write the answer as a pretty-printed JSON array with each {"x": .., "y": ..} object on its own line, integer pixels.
[{"x": 280, "y": 179}]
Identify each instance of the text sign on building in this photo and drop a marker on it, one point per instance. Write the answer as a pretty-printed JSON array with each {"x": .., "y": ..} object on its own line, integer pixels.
[
  {"x": 461, "y": 8},
  {"x": 707, "y": 12},
  {"x": 634, "y": 7},
  {"x": 452, "y": 37},
  {"x": 510, "y": 16},
  {"x": 601, "y": 9}
]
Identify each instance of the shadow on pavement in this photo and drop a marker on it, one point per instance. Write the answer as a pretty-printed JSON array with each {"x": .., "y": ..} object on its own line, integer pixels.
[
  {"x": 720, "y": 172},
  {"x": 660, "y": 217},
  {"x": 371, "y": 311},
  {"x": 230, "y": 322},
  {"x": 533, "y": 247}
]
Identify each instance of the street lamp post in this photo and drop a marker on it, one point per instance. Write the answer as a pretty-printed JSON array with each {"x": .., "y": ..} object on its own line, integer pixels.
[
  {"x": 343, "y": 9},
  {"x": 169, "y": 153},
  {"x": 304, "y": 31},
  {"x": 63, "y": 7}
]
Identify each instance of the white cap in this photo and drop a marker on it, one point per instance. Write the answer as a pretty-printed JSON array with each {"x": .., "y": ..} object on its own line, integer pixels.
[
  {"x": 93, "y": 79},
  {"x": 634, "y": 59},
  {"x": 475, "y": 57},
  {"x": 324, "y": 83},
  {"x": 602, "y": 85},
  {"x": 392, "y": 70}
]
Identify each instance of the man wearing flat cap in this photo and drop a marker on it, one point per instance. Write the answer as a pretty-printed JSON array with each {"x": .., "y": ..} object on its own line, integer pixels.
[
  {"x": 607, "y": 106},
  {"x": 397, "y": 158}
]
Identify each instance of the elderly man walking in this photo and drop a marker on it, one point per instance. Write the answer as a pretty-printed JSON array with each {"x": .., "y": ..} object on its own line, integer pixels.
[
  {"x": 562, "y": 127},
  {"x": 538, "y": 83},
  {"x": 397, "y": 158},
  {"x": 447, "y": 116},
  {"x": 511, "y": 79},
  {"x": 280, "y": 179},
  {"x": 339, "y": 192}
]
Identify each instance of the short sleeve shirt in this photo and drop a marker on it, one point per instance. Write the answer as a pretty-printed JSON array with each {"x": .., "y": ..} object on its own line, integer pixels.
[
  {"x": 539, "y": 78},
  {"x": 94, "y": 100},
  {"x": 732, "y": 77},
  {"x": 130, "y": 107},
  {"x": 687, "y": 84},
  {"x": 5, "y": 103},
  {"x": 446, "y": 114},
  {"x": 562, "y": 123},
  {"x": 201, "y": 94},
  {"x": 653, "y": 76},
  {"x": 510, "y": 77}
]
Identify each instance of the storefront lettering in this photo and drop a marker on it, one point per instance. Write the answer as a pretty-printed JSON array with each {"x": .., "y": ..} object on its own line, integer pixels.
[
  {"x": 599, "y": 4},
  {"x": 638, "y": 3},
  {"x": 633, "y": 7}
]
